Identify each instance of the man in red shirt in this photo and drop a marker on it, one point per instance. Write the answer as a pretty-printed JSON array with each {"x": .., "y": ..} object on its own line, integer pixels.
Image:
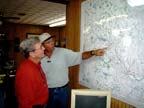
[{"x": 30, "y": 83}]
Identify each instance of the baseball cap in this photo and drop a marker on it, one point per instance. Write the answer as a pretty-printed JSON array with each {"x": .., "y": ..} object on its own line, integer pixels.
[{"x": 45, "y": 36}]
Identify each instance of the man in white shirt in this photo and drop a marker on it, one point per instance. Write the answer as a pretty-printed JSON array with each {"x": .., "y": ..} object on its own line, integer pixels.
[{"x": 55, "y": 65}]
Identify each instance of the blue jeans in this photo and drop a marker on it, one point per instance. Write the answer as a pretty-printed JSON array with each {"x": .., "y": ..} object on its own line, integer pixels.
[{"x": 59, "y": 97}]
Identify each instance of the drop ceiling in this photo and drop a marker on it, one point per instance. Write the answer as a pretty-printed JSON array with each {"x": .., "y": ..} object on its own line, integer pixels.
[{"x": 35, "y": 12}]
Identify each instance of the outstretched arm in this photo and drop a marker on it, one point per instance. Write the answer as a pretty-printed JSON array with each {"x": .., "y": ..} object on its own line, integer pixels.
[{"x": 88, "y": 54}]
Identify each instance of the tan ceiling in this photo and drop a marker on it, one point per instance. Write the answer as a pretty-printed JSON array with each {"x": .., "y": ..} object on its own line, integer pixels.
[{"x": 37, "y": 12}]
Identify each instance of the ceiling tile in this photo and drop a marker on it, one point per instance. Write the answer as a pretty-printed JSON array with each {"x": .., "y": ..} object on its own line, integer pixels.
[{"x": 37, "y": 12}]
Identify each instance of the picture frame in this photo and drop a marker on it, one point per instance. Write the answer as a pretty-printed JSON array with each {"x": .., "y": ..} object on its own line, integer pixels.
[{"x": 28, "y": 35}]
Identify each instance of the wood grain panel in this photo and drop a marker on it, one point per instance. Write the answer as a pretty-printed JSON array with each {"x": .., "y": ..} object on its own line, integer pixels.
[
  {"x": 73, "y": 35},
  {"x": 20, "y": 31}
]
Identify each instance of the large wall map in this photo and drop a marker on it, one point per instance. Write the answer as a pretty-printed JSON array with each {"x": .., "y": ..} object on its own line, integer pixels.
[{"x": 120, "y": 28}]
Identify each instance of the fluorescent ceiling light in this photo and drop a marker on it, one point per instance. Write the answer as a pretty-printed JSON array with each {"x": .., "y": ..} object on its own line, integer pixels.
[
  {"x": 134, "y": 3},
  {"x": 60, "y": 23},
  {"x": 53, "y": 20}
]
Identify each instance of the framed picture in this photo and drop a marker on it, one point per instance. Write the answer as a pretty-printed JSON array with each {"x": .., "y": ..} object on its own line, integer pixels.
[{"x": 28, "y": 35}]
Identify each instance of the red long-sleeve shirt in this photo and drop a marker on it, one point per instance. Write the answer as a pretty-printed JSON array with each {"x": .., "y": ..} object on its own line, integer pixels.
[{"x": 30, "y": 85}]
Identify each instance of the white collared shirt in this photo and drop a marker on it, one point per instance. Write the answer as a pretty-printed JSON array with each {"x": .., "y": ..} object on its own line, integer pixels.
[{"x": 56, "y": 67}]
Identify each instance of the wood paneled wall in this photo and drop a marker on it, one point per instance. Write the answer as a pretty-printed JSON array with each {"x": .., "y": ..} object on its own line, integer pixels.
[
  {"x": 20, "y": 31},
  {"x": 73, "y": 42},
  {"x": 73, "y": 36}
]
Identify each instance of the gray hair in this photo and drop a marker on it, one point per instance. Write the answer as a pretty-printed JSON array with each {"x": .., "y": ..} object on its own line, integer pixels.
[{"x": 27, "y": 45}]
